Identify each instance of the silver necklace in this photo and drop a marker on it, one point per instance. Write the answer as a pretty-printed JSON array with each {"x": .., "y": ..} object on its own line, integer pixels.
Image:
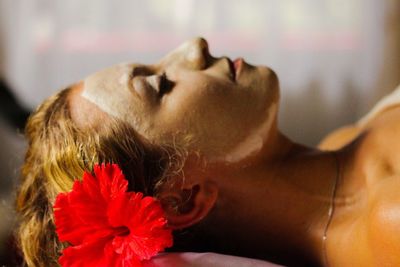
[{"x": 331, "y": 208}]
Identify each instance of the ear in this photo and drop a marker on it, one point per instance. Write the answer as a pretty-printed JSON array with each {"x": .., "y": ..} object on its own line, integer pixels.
[{"x": 187, "y": 205}]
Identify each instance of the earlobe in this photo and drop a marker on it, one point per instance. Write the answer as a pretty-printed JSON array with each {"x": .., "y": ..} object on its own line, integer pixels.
[{"x": 185, "y": 207}]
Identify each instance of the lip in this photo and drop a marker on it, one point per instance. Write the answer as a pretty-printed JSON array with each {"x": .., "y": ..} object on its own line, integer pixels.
[
  {"x": 235, "y": 67},
  {"x": 232, "y": 69},
  {"x": 238, "y": 64}
]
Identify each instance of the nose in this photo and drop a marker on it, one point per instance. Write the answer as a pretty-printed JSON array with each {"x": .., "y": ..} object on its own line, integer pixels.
[
  {"x": 197, "y": 53},
  {"x": 193, "y": 54}
]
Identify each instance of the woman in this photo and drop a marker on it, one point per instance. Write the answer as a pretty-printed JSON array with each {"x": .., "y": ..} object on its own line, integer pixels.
[{"x": 200, "y": 133}]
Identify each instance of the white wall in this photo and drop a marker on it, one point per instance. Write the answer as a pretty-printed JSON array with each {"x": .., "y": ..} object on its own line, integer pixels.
[{"x": 328, "y": 53}]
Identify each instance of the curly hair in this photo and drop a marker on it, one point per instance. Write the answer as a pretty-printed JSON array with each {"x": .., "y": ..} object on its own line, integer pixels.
[{"x": 59, "y": 152}]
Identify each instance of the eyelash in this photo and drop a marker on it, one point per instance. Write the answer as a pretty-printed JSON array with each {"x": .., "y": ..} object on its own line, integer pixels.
[{"x": 164, "y": 85}]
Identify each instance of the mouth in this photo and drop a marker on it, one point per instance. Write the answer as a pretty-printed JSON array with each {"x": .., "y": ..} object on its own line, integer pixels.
[
  {"x": 238, "y": 63},
  {"x": 235, "y": 67}
]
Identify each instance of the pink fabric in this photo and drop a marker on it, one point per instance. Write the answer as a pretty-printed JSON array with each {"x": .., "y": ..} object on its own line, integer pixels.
[{"x": 189, "y": 259}]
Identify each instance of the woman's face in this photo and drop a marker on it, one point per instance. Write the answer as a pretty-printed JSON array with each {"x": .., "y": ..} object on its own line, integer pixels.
[{"x": 221, "y": 109}]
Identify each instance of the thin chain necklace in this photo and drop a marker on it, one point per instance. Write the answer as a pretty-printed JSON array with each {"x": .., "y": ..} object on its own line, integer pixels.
[{"x": 331, "y": 208}]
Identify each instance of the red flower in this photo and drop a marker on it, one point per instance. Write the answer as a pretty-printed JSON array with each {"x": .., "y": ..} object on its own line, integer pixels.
[{"x": 107, "y": 226}]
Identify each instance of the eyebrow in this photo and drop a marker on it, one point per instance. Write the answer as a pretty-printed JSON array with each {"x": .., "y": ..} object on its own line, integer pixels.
[{"x": 140, "y": 70}]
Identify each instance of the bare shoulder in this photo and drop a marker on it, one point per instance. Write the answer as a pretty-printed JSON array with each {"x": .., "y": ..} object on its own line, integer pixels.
[
  {"x": 385, "y": 111},
  {"x": 381, "y": 145},
  {"x": 385, "y": 125},
  {"x": 371, "y": 232},
  {"x": 367, "y": 232},
  {"x": 383, "y": 221},
  {"x": 380, "y": 156},
  {"x": 339, "y": 138},
  {"x": 369, "y": 235}
]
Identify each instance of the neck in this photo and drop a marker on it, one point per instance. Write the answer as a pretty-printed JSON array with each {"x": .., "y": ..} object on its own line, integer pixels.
[{"x": 285, "y": 202}]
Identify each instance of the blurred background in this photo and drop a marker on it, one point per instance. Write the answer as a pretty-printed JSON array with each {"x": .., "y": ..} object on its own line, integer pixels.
[{"x": 335, "y": 58}]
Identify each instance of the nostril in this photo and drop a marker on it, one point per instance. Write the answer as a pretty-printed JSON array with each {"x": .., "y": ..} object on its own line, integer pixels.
[
  {"x": 206, "y": 54},
  {"x": 203, "y": 47},
  {"x": 202, "y": 43}
]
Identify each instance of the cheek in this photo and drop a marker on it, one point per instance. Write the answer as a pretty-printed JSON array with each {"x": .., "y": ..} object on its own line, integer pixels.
[
  {"x": 192, "y": 95},
  {"x": 213, "y": 117},
  {"x": 268, "y": 84},
  {"x": 183, "y": 108},
  {"x": 196, "y": 110},
  {"x": 209, "y": 116}
]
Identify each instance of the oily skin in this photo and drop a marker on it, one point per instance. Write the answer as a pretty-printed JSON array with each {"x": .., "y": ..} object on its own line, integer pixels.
[
  {"x": 282, "y": 195},
  {"x": 366, "y": 228},
  {"x": 201, "y": 109},
  {"x": 285, "y": 199}
]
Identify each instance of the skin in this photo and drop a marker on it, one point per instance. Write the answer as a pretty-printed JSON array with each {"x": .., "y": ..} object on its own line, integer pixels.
[
  {"x": 200, "y": 92},
  {"x": 271, "y": 201},
  {"x": 367, "y": 224}
]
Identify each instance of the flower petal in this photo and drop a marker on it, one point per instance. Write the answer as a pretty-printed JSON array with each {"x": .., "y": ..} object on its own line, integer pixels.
[
  {"x": 111, "y": 179},
  {"x": 78, "y": 214},
  {"x": 107, "y": 226},
  {"x": 148, "y": 233},
  {"x": 88, "y": 254}
]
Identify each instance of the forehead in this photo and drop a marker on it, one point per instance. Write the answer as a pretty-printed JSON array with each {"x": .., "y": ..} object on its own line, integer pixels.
[
  {"x": 83, "y": 112},
  {"x": 111, "y": 91}
]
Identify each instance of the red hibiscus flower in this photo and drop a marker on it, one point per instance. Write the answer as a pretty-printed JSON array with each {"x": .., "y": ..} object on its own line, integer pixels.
[{"x": 107, "y": 226}]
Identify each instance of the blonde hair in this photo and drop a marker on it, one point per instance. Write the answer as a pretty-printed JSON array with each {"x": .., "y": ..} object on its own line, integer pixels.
[{"x": 59, "y": 152}]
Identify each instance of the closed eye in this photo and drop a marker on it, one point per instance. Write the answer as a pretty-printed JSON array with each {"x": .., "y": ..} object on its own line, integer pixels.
[
  {"x": 165, "y": 85},
  {"x": 160, "y": 84}
]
